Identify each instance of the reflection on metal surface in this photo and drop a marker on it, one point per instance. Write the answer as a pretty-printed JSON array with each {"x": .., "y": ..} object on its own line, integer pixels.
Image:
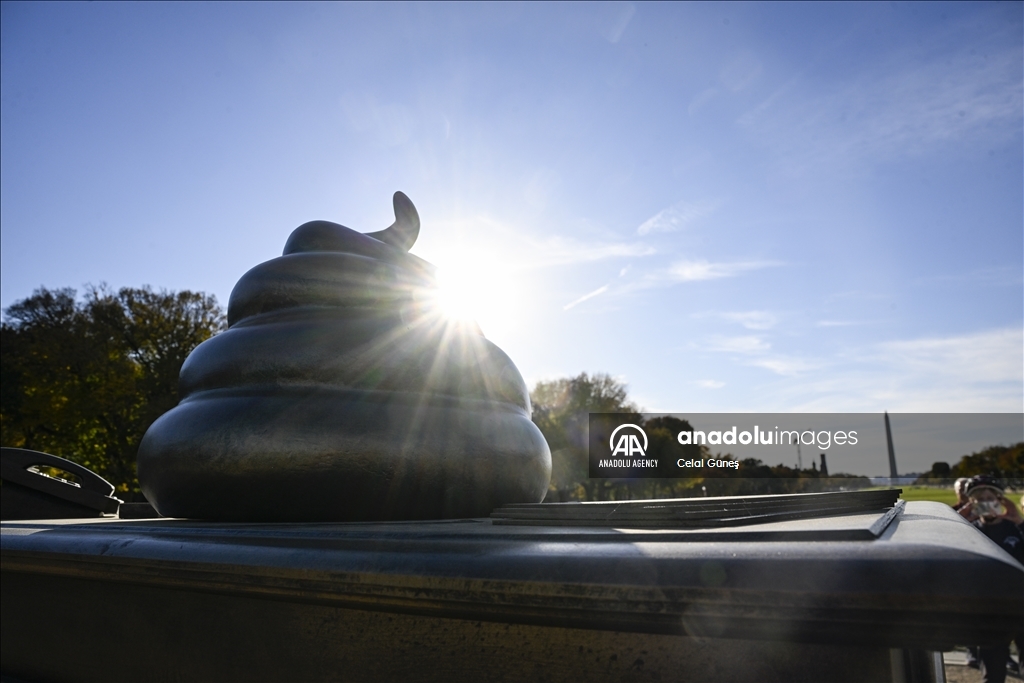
[{"x": 700, "y": 513}]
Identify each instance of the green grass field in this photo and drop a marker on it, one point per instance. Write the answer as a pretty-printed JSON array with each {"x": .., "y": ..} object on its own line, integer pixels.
[{"x": 939, "y": 495}]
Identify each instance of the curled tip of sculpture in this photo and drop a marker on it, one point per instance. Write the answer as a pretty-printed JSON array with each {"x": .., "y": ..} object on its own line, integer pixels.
[
  {"x": 406, "y": 228},
  {"x": 327, "y": 236}
]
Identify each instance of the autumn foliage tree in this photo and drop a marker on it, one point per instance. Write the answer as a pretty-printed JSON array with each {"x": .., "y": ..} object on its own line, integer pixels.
[
  {"x": 561, "y": 409},
  {"x": 84, "y": 378},
  {"x": 1002, "y": 462}
]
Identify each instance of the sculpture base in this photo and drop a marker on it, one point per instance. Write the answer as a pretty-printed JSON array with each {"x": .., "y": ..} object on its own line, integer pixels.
[
  {"x": 318, "y": 455},
  {"x": 468, "y": 600}
]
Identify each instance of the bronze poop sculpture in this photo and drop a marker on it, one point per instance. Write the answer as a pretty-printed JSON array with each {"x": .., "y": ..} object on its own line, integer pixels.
[{"x": 340, "y": 392}]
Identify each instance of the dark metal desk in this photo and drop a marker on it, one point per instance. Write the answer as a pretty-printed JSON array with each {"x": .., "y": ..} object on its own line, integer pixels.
[{"x": 168, "y": 599}]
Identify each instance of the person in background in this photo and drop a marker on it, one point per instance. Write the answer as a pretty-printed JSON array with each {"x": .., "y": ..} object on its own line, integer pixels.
[
  {"x": 961, "y": 494},
  {"x": 997, "y": 517},
  {"x": 959, "y": 487}
]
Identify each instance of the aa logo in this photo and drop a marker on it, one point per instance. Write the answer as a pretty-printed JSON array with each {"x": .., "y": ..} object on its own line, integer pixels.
[{"x": 628, "y": 443}]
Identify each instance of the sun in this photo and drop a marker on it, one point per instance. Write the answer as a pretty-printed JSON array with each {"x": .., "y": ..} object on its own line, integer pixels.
[
  {"x": 456, "y": 300},
  {"x": 474, "y": 286}
]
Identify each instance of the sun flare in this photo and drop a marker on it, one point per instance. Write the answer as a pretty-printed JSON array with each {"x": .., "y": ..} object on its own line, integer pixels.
[{"x": 473, "y": 286}]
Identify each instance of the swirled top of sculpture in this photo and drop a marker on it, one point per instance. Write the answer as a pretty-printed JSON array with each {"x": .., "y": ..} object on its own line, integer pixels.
[
  {"x": 340, "y": 373},
  {"x": 327, "y": 264}
]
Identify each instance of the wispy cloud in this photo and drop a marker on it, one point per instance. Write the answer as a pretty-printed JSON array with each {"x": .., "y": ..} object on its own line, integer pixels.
[
  {"x": 906, "y": 105},
  {"x": 690, "y": 271},
  {"x": 560, "y": 251},
  {"x": 744, "y": 344},
  {"x": 752, "y": 320},
  {"x": 516, "y": 249},
  {"x": 991, "y": 356},
  {"x": 596, "y": 292},
  {"x": 735, "y": 75},
  {"x": 590, "y": 295},
  {"x": 676, "y": 217},
  {"x": 785, "y": 365},
  {"x": 618, "y": 27},
  {"x": 756, "y": 351},
  {"x": 709, "y": 384},
  {"x": 740, "y": 71},
  {"x": 838, "y": 323},
  {"x": 977, "y": 372}
]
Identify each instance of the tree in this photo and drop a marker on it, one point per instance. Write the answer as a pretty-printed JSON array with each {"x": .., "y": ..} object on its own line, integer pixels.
[
  {"x": 561, "y": 409},
  {"x": 1003, "y": 462},
  {"x": 938, "y": 475},
  {"x": 84, "y": 379}
]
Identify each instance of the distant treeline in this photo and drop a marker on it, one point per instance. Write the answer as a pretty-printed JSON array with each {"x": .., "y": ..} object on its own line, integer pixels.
[{"x": 1004, "y": 462}]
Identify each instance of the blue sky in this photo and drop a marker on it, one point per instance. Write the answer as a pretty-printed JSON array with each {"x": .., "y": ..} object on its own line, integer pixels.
[{"x": 750, "y": 207}]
